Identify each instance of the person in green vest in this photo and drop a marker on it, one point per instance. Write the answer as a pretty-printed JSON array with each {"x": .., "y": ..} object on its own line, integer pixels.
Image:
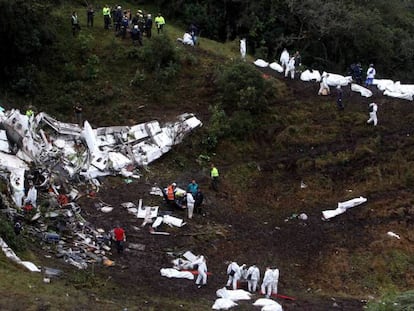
[
  {"x": 214, "y": 177},
  {"x": 159, "y": 22},
  {"x": 106, "y": 12}
]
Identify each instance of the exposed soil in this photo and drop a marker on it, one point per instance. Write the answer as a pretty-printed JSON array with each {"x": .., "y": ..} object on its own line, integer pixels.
[{"x": 304, "y": 251}]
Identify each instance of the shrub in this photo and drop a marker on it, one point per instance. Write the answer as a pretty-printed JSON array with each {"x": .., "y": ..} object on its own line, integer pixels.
[
  {"x": 159, "y": 54},
  {"x": 241, "y": 87}
]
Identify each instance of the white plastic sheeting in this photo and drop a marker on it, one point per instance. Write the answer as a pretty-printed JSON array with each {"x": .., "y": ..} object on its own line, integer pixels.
[
  {"x": 334, "y": 79},
  {"x": 173, "y": 273},
  {"x": 261, "y": 302},
  {"x": 261, "y": 63},
  {"x": 276, "y": 66},
  {"x": 360, "y": 89},
  {"x": 223, "y": 304},
  {"x": 343, "y": 206},
  {"x": 272, "y": 307},
  {"x": 237, "y": 294},
  {"x": 309, "y": 75}
]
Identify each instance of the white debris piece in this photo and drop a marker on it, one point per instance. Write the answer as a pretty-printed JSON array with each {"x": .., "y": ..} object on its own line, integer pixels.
[
  {"x": 261, "y": 63},
  {"x": 173, "y": 221},
  {"x": 334, "y": 79},
  {"x": 173, "y": 273},
  {"x": 223, "y": 304},
  {"x": 360, "y": 89},
  {"x": 190, "y": 256},
  {"x": 147, "y": 211},
  {"x": 272, "y": 307},
  {"x": 342, "y": 207},
  {"x": 394, "y": 235},
  {"x": 9, "y": 253}
]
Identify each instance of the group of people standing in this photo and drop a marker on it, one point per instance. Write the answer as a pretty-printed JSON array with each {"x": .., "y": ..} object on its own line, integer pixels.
[
  {"x": 251, "y": 275},
  {"x": 122, "y": 21},
  {"x": 290, "y": 63}
]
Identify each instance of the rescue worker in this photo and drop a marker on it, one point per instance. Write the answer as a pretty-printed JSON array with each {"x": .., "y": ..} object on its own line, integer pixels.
[
  {"x": 290, "y": 68},
  {"x": 106, "y": 12},
  {"x": 18, "y": 191},
  {"x": 192, "y": 187},
  {"x": 324, "y": 87},
  {"x": 171, "y": 193},
  {"x": 75, "y": 24},
  {"x": 202, "y": 272},
  {"x": 120, "y": 238},
  {"x": 31, "y": 196},
  {"x": 234, "y": 273},
  {"x": 253, "y": 277},
  {"x": 373, "y": 107},
  {"x": 124, "y": 25},
  {"x": 275, "y": 280},
  {"x": 77, "y": 109},
  {"x": 148, "y": 26},
  {"x": 371, "y": 72},
  {"x": 190, "y": 204},
  {"x": 90, "y": 13},
  {"x": 284, "y": 59},
  {"x": 159, "y": 22},
  {"x": 339, "y": 94},
  {"x": 214, "y": 173},
  {"x": 118, "y": 19},
  {"x": 198, "y": 200},
  {"x": 243, "y": 48},
  {"x": 136, "y": 35},
  {"x": 267, "y": 283}
]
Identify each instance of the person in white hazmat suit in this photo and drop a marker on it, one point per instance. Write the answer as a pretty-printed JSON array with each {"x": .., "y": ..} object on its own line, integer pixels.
[
  {"x": 190, "y": 205},
  {"x": 373, "y": 107},
  {"x": 188, "y": 39},
  {"x": 234, "y": 273},
  {"x": 290, "y": 68},
  {"x": 275, "y": 280},
  {"x": 267, "y": 284},
  {"x": 243, "y": 48},
  {"x": 18, "y": 191},
  {"x": 202, "y": 271},
  {"x": 284, "y": 59},
  {"x": 253, "y": 277},
  {"x": 31, "y": 197}
]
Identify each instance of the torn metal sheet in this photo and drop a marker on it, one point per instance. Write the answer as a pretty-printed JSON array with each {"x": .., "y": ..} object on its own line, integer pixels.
[
  {"x": 144, "y": 211},
  {"x": 173, "y": 221}
]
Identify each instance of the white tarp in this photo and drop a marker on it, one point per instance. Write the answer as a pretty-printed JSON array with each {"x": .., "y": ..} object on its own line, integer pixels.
[
  {"x": 334, "y": 79},
  {"x": 223, "y": 304},
  {"x": 276, "y": 66},
  {"x": 382, "y": 84},
  {"x": 237, "y": 294},
  {"x": 398, "y": 95},
  {"x": 343, "y": 206},
  {"x": 173, "y": 221},
  {"x": 261, "y": 63},
  {"x": 261, "y": 302},
  {"x": 173, "y": 273},
  {"x": 309, "y": 75},
  {"x": 272, "y": 307},
  {"x": 360, "y": 89}
]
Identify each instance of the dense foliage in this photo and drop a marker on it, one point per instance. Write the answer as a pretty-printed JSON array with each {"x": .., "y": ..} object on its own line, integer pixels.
[
  {"x": 330, "y": 34},
  {"x": 25, "y": 35}
]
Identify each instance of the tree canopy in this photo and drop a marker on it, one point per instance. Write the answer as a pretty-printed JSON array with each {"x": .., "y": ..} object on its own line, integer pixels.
[{"x": 330, "y": 34}]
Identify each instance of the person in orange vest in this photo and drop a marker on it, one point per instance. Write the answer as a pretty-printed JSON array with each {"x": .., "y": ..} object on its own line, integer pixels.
[{"x": 171, "y": 193}]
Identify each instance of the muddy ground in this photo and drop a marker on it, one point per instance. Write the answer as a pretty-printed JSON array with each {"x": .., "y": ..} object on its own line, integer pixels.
[{"x": 234, "y": 227}]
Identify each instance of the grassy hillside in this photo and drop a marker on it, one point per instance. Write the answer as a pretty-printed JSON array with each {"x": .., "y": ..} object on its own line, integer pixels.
[{"x": 262, "y": 158}]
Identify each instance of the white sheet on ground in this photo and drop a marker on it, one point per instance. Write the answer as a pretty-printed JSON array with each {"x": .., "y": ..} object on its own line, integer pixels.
[
  {"x": 276, "y": 66},
  {"x": 334, "y": 79},
  {"x": 223, "y": 304},
  {"x": 272, "y": 307},
  {"x": 261, "y": 302},
  {"x": 360, "y": 89},
  {"x": 398, "y": 95},
  {"x": 173, "y": 221},
  {"x": 261, "y": 63},
  {"x": 343, "y": 206},
  {"x": 382, "y": 84},
  {"x": 308, "y": 75},
  {"x": 173, "y": 273},
  {"x": 237, "y": 294}
]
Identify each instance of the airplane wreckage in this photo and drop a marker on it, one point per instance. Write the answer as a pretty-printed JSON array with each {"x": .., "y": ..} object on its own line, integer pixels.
[{"x": 56, "y": 157}]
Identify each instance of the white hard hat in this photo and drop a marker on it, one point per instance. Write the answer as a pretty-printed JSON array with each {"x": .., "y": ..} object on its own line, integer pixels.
[{"x": 174, "y": 184}]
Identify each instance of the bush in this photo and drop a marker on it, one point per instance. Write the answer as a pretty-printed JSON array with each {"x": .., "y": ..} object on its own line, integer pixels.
[
  {"x": 241, "y": 87},
  {"x": 159, "y": 54}
]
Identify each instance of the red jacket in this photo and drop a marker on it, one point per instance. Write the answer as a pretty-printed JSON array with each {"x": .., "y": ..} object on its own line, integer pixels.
[{"x": 119, "y": 234}]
